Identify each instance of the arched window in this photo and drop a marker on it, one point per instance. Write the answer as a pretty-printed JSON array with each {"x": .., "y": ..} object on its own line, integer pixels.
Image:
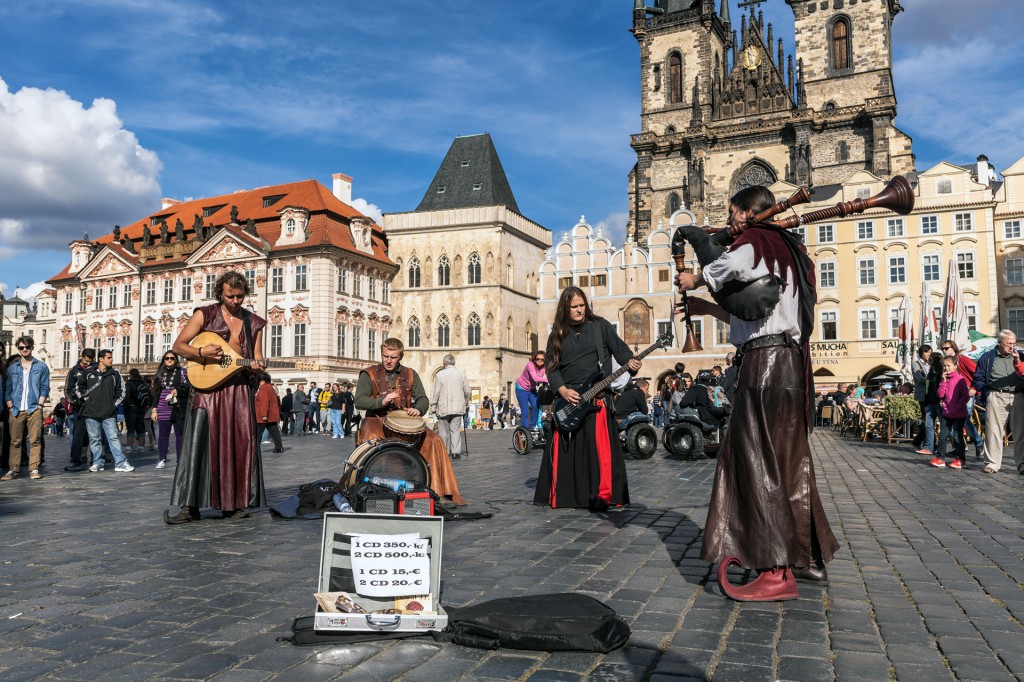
[
  {"x": 473, "y": 269},
  {"x": 841, "y": 57},
  {"x": 509, "y": 273},
  {"x": 673, "y": 203},
  {"x": 444, "y": 332},
  {"x": 414, "y": 273},
  {"x": 842, "y": 152},
  {"x": 675, "y": 78},
  {"x": 473, "y": 330},
  {"x": 414, "y": 333},
  {"x": 671, "y": 130},
  {"x": 510, "y": 340},
  {"x": 444, "y": 272}
]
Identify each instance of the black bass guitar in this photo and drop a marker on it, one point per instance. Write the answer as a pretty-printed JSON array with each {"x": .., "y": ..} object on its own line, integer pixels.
[{"x": 569, "y": 417}]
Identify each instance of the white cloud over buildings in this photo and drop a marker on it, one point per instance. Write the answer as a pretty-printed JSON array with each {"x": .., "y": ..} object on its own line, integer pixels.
[{"x": 65, "y": 168}]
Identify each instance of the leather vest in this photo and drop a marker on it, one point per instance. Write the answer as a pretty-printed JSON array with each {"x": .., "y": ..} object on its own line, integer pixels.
[{"x": 381, "y": 386}]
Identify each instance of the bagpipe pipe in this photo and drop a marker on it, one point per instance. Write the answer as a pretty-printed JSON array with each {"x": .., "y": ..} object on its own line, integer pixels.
[{"x": 755, "y": 300}]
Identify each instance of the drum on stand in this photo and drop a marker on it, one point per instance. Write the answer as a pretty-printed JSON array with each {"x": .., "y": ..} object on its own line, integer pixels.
[{"x": 389, "y": 458}]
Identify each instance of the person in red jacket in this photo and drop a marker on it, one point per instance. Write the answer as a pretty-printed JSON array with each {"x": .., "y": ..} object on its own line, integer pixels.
[{"x": 268, "y": 411}]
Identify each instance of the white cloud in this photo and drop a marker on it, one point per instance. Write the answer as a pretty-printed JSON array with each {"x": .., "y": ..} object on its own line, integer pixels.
[
  {"x": 367, "y": 209},
  {"x": 614, "y": 227},
  {"x": 65, "y": 168}
]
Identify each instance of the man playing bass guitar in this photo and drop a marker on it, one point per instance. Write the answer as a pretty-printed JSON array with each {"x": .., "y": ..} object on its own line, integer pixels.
[{"x": 584, "y": 467}]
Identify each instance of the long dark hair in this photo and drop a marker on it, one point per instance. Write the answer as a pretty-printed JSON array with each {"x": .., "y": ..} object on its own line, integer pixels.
[
  {"x": 561, "y": 325},
  {"x": 166, "y": 374}
]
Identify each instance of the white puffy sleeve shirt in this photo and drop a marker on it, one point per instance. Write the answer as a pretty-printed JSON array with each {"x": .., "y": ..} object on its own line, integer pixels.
[{"x": 738, "y": 264}]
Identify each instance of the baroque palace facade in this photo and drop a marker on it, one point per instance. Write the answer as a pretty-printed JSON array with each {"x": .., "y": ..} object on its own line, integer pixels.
[{"x": 318, "y": 269}]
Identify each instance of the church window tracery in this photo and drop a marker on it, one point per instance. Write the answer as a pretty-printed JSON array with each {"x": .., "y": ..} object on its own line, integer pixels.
[
  {"x": 444, "y": 272},
  {"x": 414, "y": 273},
  {"x": 473, "y": 330},
  {"x": 414, "y": 332},
  {"x": 473, "y": 269},
  {"x": 443, "y": 332}
]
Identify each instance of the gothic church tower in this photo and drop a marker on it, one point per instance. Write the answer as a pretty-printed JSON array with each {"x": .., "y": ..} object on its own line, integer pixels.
[{"x": 724, "y": 107}]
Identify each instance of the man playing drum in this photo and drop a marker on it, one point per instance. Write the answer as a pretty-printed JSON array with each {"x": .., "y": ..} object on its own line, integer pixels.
[{"x": 388, "y": 386}]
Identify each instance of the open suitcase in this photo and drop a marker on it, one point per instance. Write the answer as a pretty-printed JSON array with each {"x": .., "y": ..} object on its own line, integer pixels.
[{"x": 337, "y": 574}]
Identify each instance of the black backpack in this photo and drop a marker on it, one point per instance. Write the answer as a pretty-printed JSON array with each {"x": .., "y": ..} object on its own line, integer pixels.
[{"x": 142, "y": 399}]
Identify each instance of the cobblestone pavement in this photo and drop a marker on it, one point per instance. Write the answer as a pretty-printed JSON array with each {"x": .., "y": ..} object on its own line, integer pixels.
[{"x": 926, "y": 586}]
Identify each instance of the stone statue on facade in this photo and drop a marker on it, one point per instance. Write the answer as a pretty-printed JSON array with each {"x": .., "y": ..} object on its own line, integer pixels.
[
  {"x": 234, "y": 215},
  {"x": 147, "y": 236},
  {"x": 117, "y": 233},
  {"x": 179, "y": 230},
  {"x": 163, "y": 231}
]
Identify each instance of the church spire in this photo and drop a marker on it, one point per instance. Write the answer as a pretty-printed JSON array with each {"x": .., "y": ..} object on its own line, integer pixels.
[{"x": 724, "y": 14}]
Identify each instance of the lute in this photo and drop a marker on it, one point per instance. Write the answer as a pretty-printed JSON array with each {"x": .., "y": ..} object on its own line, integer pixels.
[
  {"x": 569, "y": 417},
  {"x": 209, "y": 373}
]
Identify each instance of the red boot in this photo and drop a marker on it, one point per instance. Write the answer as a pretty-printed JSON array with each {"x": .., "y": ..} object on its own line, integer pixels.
[{"x": 776, "y": 584}]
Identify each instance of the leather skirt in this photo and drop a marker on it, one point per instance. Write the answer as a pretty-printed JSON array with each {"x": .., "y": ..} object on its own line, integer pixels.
[{"x": 765, "y": 507}]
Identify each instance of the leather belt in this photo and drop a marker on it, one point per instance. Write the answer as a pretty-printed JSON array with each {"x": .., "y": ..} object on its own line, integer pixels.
[{"x": 782, "y": 339}]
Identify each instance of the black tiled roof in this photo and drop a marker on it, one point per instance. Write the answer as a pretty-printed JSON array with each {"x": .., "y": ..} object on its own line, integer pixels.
[{"x": 470, "y": 175}]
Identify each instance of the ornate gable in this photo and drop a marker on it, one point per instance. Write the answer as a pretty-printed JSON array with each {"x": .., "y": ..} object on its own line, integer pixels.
[
  {"x": 111, "y": 265},
  {"x": 227, "y": 248}
]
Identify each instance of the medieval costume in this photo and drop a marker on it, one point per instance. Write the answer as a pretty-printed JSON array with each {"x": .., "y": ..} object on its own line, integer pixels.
[
  {"x": 220, "y": 464},
  {"x": 376, "y": 382},
  {"x": 585, "y": 468},
  {"x": 765, "y": 510}
]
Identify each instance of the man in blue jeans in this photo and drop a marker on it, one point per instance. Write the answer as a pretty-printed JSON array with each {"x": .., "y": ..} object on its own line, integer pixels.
[
  {"x": 100, "y": 390},
  {"x": 26, "y": 391}
]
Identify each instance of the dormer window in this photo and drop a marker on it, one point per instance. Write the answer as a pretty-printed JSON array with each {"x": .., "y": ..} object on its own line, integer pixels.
[
  {"x": 290, "y": 227},
  {"x": 441, "y": 189},
  {"x": 210, "y": 210},
  {"x": 465, "y": 164},
  {"x": 477, "y": 185},
  {"x": 271, "y": 200}
]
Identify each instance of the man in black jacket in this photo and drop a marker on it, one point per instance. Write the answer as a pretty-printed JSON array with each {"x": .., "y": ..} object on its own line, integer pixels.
[
  {"x": 79, "y": 432},
  {"x": 632, "y": 399},
  {"x": 100, "y": 390},
  {"x": 699, "y": 398}
]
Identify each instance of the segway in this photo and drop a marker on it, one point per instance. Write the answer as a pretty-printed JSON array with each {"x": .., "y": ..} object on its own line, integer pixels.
[{"x": 526, "y": 437}]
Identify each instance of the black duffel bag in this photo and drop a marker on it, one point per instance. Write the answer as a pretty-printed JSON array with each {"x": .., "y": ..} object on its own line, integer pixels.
[{"x": 543, "y": 622}]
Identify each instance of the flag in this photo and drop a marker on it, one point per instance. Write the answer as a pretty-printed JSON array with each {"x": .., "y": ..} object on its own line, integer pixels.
[
  {"x": 954, "y": 312},
  {"x": 906, "y": 345},
  {"x": 929, "y": 325}
]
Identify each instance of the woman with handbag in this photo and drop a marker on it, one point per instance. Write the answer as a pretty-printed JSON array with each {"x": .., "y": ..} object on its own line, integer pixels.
[{"x": 170, "y": 395}]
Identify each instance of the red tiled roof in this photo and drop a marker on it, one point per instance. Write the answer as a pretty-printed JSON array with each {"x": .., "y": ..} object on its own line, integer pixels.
[{"x": 324, "y": 225}]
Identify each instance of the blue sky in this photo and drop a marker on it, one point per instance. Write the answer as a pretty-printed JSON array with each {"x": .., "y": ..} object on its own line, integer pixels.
[{"x": 108, "y": 105}]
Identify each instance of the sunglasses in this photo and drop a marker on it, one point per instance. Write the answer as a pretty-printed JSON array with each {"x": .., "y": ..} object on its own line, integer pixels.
[
  {"x": 24, "y": 347},
  {"x": 171, "y": 359}
]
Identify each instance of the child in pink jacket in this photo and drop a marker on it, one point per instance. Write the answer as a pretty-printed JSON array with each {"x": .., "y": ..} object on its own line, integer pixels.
[{"x": 953, "y": 396}]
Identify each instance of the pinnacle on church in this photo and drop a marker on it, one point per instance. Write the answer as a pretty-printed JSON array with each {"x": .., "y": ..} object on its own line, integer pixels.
[{"x": 471, "y": 175}]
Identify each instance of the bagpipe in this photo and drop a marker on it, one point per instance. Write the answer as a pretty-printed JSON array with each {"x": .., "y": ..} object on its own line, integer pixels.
[{"x": 756, "y": 299}]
